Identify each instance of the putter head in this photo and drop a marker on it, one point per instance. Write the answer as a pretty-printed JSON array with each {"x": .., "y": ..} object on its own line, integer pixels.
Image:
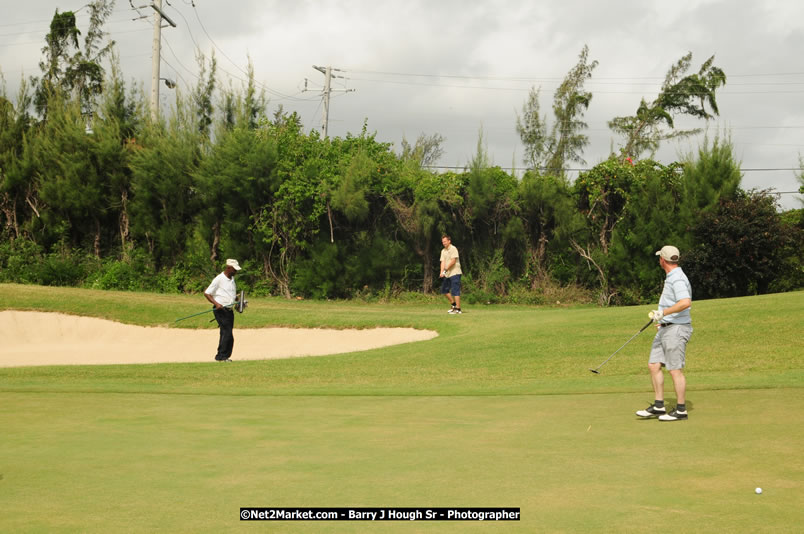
[
  {"x": 241, "y": 302},
  {"x": 595, "y": 371}
]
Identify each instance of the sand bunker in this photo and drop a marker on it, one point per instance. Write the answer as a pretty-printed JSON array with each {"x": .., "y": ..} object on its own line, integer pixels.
[{"x": 36, "y": 338}]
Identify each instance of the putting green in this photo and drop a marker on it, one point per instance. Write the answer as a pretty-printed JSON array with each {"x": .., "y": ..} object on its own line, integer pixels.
[{"x": 106, "y": 462}]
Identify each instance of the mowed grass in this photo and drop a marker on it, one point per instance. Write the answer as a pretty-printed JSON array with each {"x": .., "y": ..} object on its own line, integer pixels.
[{"x": 500, "y": 410}]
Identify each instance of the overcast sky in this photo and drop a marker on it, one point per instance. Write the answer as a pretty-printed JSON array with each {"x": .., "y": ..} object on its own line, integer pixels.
[{"x": 453, "y": 67}]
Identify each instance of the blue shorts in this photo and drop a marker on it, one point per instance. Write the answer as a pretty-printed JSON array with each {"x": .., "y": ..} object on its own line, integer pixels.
[{"x": 451, "y": 285}]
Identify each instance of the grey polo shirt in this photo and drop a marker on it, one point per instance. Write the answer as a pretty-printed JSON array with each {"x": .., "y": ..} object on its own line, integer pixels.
[{"x": 676, "y": 287}]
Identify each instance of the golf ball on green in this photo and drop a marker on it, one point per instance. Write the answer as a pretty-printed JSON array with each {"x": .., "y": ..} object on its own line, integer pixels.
[{"x": 758, "y": 491}]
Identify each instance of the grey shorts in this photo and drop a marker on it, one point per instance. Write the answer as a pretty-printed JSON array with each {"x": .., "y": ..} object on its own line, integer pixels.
[{"x": 670, "y": 346}]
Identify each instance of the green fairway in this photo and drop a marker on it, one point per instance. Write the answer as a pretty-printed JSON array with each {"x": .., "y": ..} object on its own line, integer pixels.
[
  {"x": 500, "y": 410},
  {"x": 120, "y": 462}
]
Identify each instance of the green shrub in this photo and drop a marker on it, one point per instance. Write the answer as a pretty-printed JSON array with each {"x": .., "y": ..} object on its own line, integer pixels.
[
  {"x": 521, "y": 294},
  {"x": 488, "y": 283},
  {"x": 57, "y": 269},
  {"x": 186, "y": 277},
  {"x": 321, "y": 275},
  {"x": 18, "y": 257},
  {"x": 117, "y": 274},
  {"x": 744, "y": 248},
  {"x": 632, "y": 296},
  {"x": 26, "y": 262},
  {"x": 360, "y": 267}
]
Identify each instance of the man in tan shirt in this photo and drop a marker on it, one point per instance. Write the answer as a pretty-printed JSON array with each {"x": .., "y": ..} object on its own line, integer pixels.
[{"x": 451, "y": 275}]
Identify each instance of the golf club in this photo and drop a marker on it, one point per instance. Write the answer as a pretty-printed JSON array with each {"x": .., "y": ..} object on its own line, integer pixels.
[
  {"x": 597, "y": 372},
  {"x": 193, "y": 315},
  {"x": 240, "y": 304}
]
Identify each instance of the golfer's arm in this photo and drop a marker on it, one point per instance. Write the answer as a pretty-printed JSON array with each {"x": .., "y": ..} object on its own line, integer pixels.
[
  {"x": 679, "y": 306},
  {"x": 212, "y": 300}
]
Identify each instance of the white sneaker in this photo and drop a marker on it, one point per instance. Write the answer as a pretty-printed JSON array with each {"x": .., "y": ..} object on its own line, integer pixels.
[
  {"x": 652, "y": 411},
  {"x": 675, "y": 415}
]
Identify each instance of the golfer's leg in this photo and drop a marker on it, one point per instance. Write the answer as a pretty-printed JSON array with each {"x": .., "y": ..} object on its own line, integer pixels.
[
  {"x": 221, "y": 344},
  {"x": 229, "y": 341},
  {"x": 455, "y": 283},
  {"x": 675, "y": 347},
  {"x": 445, "y": 290},
  {"x": 655, "y": 366},
  {"x": 657, "y": 379},
  {"x": 231, "y": 338},
  {"x": 221, "y": 335},
  {"x": 680, "y": 385}
]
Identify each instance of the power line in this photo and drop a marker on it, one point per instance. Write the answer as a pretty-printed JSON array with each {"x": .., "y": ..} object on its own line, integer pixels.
[
  {"x": 40, "y": 42},
  {"x": 723, "y": 91},
  {"x": 766, "y": 144},
  {"x": 175, "y": 71},
  {"x": 593, "y": 82},
  {"x": 192, "y": 73},
  {"x": 39, "y": 31},
  {"x": 280, "y": 95},
  {"x": 758, "y": 169},
  {"x": 48, "y": 21},
  {"x": 128, "y": 56},
  {"x": 504, "y": 121},
  {"x": 544, "y": 78},
  {"x": 198, "y": 18}
]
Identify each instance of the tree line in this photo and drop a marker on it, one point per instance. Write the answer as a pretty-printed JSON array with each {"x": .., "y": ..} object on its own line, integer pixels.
[{"x": 95, "y": 193}]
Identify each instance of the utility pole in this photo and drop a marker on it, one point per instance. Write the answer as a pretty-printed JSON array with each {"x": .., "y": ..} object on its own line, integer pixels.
[
  {"x": 327, "y": 72},
  {"x": 156, "y": 56}
]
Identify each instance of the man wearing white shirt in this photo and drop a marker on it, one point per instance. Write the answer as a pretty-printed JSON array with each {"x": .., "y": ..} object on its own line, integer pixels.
[{"x": 222, "y": 293}]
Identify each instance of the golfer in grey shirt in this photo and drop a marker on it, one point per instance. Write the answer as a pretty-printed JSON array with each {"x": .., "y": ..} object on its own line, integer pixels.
[{"x": 674, "y": 325}]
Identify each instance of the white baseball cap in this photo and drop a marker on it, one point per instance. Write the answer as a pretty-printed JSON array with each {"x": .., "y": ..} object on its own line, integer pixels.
[
  {"x": 669, "y": 253},
  {"x": 233, "y": 263}
]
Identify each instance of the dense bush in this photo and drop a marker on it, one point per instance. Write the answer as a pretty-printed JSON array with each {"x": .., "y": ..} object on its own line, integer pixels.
[
  {"x": 352, "y": 268},
  {"x": 489, "y": 283},
  {"x": 61, "y": 269},
  {"x": 18, "y": 259},
  {"x": 744, "y": 248},
  {"x": 23, "y": 261}
]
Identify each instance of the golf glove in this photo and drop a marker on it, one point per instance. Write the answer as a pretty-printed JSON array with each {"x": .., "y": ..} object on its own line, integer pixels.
[{"x": 656, "y": 315}]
